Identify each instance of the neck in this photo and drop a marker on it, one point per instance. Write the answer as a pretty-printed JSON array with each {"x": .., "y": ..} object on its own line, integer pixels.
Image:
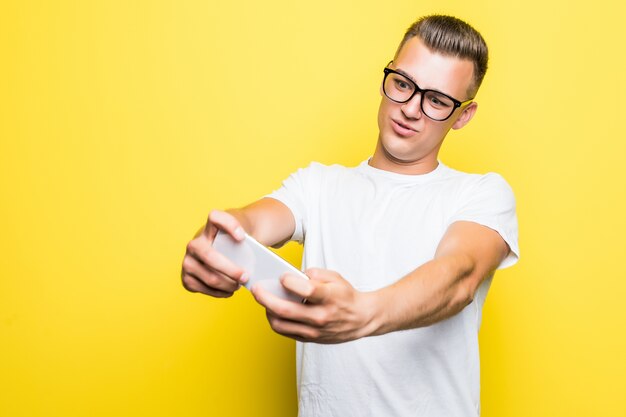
[{"x": 387, "y": 162}]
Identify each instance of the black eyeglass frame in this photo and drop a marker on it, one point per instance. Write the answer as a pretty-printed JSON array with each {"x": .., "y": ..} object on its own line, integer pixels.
[{"x": 456, "y": 102}]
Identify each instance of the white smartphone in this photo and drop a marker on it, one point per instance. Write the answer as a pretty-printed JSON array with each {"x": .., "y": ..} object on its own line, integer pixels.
[{"x": 264, "y": 266}]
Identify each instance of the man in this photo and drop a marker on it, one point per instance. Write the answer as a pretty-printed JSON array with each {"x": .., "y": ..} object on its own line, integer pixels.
[{"x": 407, "y": 245}]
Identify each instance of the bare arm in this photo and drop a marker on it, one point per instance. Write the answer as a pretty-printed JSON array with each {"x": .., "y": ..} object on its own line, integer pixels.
[
  {"x": 466, "y": 255},
  {"x": 336, "y": 312},
  {"x": 267, "y": 220}
]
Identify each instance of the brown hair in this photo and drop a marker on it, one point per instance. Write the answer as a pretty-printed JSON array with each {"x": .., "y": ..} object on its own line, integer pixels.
[{"x": 451, "y": 36}]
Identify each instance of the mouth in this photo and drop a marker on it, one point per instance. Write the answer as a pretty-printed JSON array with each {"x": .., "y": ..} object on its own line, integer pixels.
[{"x": 402, "y": 129}]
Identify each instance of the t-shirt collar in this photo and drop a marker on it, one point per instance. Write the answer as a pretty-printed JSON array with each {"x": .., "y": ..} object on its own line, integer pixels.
[{"x": 406, "y": 178}]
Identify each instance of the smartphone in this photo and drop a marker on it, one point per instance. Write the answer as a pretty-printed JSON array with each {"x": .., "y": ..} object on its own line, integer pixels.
[{"x": 264, "y": 266}]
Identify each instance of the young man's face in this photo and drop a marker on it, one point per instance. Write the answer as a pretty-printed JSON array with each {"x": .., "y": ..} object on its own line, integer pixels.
[{"x": 408, "y": 138}]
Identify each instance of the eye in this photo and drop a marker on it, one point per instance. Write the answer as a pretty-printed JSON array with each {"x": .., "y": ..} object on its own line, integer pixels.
[
  {"x": 435, "y": 101},
  {"x": 401, "y": 84},
  {"x": 439, "y": 101}
]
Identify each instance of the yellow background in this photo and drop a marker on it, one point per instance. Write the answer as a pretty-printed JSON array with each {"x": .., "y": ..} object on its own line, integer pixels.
[{"x": 123, "y": 123}]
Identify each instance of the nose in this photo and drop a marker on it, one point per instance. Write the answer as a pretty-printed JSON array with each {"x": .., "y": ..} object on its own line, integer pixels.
[{"x": 412, "y": 109}]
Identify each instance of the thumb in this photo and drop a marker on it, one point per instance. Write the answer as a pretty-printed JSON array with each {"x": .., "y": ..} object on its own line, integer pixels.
[
  {"x": 323, "y": 275},
  {"x": 224, "y": 221}
]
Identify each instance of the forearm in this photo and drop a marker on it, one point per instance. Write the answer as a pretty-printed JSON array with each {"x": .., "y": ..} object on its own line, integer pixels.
[
  {"x": 243, "y": 219},
  {"x": 431, "y": 293},
  {"x": 239, "y": 214},
  {"x": 267, "y": 220}
]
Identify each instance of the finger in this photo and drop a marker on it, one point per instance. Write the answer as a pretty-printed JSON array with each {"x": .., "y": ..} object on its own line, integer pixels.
[
  {"x": 289, "y": 310},
  {"x": 313, "y": 291},
  {"x": 193, "y": 284},
  {"x": 226, "y": 222},
  {"x": 297, "y": 285},
  {"x": 214, "y": 260},
  {"x": 323, "y": 275},
  {"x": 292, "y": 329},
  {"x": 208, "y": 277}
]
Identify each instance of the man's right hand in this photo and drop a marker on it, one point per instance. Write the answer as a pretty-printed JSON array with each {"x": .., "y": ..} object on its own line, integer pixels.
[{"x": 207, "y": 271}]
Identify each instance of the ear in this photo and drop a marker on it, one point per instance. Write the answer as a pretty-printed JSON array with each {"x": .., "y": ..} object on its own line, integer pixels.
[{"x": 466, "y": 116}]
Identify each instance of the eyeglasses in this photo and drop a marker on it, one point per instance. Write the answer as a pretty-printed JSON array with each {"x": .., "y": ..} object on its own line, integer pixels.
[{"x": 434, "y": 104}]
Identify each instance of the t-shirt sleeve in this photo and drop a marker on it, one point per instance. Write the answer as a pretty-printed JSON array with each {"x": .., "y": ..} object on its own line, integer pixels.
[
  {"x": 491, "y": 202},
  {"x": 294, "y": 193}
]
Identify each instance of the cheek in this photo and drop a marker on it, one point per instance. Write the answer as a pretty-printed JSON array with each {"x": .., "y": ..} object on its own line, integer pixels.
[
  {"x": 383, "y": 111},
  {"x": 380, "y": 116},
  {"x": 436, "y": 134}
]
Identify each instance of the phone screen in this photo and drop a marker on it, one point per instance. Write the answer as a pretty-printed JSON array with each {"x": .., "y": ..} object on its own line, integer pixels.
[{"x": 264, "y": 266}]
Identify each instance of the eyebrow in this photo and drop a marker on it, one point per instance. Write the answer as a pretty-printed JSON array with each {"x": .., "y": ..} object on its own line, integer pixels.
[{"x": 406, "y": 75}]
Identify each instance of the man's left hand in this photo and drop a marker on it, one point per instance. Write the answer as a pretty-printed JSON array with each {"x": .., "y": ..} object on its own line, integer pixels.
[{"x": 334, "y": 312}]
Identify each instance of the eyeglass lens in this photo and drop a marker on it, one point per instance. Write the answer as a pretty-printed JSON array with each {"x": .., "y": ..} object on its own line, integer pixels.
[{"x": 435, "y": 105}]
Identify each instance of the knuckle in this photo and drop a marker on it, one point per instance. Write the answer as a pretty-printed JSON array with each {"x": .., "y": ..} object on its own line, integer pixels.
[
  {"x": 313, "y": 334},
  {"x": 309, "y": 292},
  {"x": 312, "y": 272},
  {"x": 216, "y": 216},
  {"x": 189, "y": 283},
  {"x": 274, "y": 323},
  {"x": 210, "y": 256},
  {"x": 212, "y": 281},
  {"x": 187, "y": 263},
  {"x": 333, "y": 310},
  {"x": 280, "y": 311},
  {"x": 321, "y": 319}
]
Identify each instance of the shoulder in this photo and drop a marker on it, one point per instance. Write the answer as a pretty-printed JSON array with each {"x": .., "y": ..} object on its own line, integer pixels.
[
  {"x": 472, "y": 182},
  {"x": 318, "y": 169},
  {"x": 489, "y": 191},
  {"x": 318, "y": 166}
]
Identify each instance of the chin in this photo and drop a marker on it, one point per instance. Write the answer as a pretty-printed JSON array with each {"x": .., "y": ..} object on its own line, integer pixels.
[{"x": 398, "y": 154}]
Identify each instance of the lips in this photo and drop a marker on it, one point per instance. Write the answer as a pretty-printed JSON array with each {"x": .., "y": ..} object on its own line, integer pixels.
[{"x": 402, "y": 129}]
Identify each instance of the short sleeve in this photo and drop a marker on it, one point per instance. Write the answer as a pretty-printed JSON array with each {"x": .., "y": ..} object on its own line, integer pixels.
[
  {"x": 490, "y": 201},
  {"x": 295, "y": 193}
]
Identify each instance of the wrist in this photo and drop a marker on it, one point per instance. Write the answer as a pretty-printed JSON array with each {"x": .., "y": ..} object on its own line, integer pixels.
[
  {"x": 373, "y": 313},
  {"x": 240, "y": 215}
]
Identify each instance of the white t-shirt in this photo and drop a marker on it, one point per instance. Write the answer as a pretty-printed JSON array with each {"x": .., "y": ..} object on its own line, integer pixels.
[{"x": 373, "y": 227}]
